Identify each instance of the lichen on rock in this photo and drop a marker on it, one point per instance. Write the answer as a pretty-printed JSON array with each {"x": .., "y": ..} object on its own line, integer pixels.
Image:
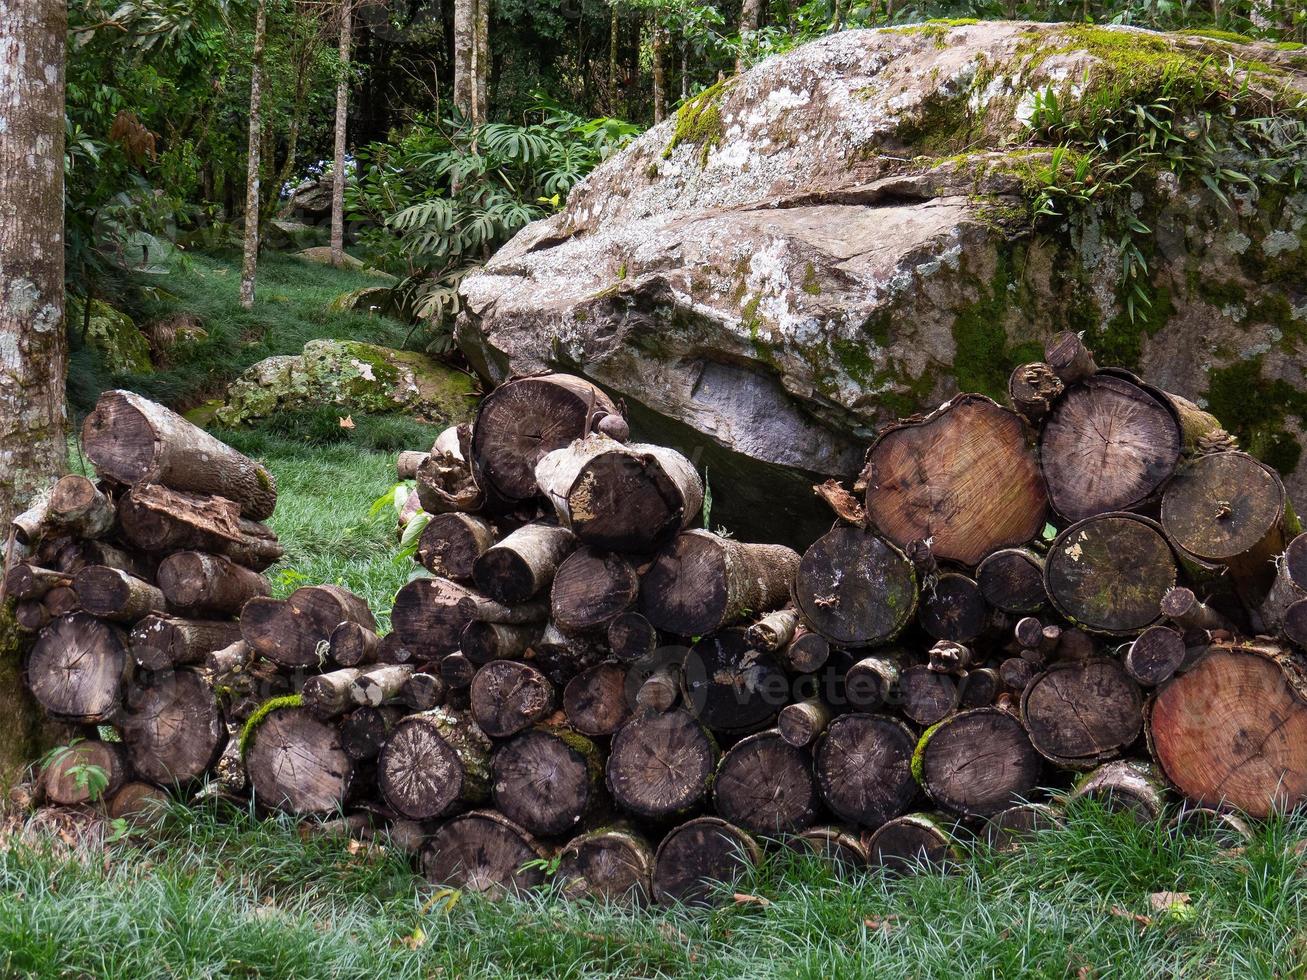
[{"x": 113, "y": 334}]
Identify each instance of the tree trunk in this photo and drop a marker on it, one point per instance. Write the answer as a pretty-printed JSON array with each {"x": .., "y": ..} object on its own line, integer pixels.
[
  {"x": 591, "y": 588},
  {"x": 33, "y": 341},
  {"x": 296, "y": 763},
  {"x": 162, "y": 642},
  {"x": 750, "y": 22},
  {"x": 481, "y": 64},
  {"x": 661, "y": 765},
  {"x": 465, "y": 18},
  {"x": 509, "y": 696},
  {"x": 659, "y": 55},
  {"x": 596, "y": 701},
  {"x": 432, "y": 762},
  {"x": 1108, "y": 713},
  {"x": 698, "y": 854},
  {"x": 524, "y": 563},
  {"x": 485, "y": 854},
  {"x": 863, "y": 768},
  {"x": 345, "y": 13},
  {"x": 250, "y": 259},
  {"x": 451, "y": 543},
  {"x": 614, "y": 34},
  {"x": 77, "y": 668},
  {"x": 548, "y": 781},
  {"x": 173, "y": 728},
  {"x": 612, "y": 865},
  {"x": 765, "y": 785},
  {"x": 977, "y": 763}
]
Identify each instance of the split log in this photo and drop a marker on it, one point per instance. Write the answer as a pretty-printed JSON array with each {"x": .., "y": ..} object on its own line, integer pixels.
[
  {"x": 161, "y": 520},
  {"x": 364, "y": 731},
  {"x": 1108, "y": 713},
  {"x": 953, "y": 609},
  {"x": 702, "y": 582},
  {"x": 964, "y": 477},
  {"x": 1155, "y": 655},
  {"x": 632, "y": 637},
  {"x": 77, "y": 668},
  {"x": 596, "y": 701},
  {"x": 840, "y": 850},
  {"x": 296, "y": 763},
  {"x": 161, "y": 642},
  {"x": 1033, "y": 388},
  {"x": 1071, "y": 361},
  {"x": 330, "y": 695},
  {"x": 765, "y": 785},
  {"x": 434, "y": 762},
  {"x": 78, "y": 508},
  {"x": 450, "y": 544},
  {"x": 113, "y": 594},
  {"x": 928, "y": 696},
  {"x": 1009, "y": 829},
  {"x": 485, "y": 854},
  {"x": 522, "y": 421},
  {"x": 524, "y": 563},
  {"x": 1183, "y": 608},
  {"x": 64, "y": 780},
  {"x": 353, "y": 644},
  {"x": 977, "y": 763},
  {"x": 296, "y": 632},
  {"x": 375, "y": 686},
  {"x": 407, "y": 463},
  {"x": 731, "y": 687},
  {"x": 698, "y": 856},
  {"x": 630, "y": 498},
  {"x": 1109, "y": 573},
  {"x": 423, "y": 691},
  {"x": 1289, "y": 586},
  {"x": 1251, "y": 753},
  {"x": 1126, "y": 786},
  {"x": 806, "y": 653},
  {"x": 872, "y": 681},
  {"x": 211, "y": 585},
  {"x": 855, "y": 588},
  {"x": 1108, "y": 445},
  {"x": 802, "y": 723},
  {"x": 661, "y": 765},
  {"x": 1012, "y": 581},
  {"x": 863, "y": 768},
  {"x": 26, "y": 581},
  {"x": 133, "y": 440},
  {"x": 612, "y": 865},
  {"x": 774, "y": 631},
  {"x": 913, "y": 843},
  {"x": 590, "y": 588},
  {"x": 509, "y": 696},
  {"x": 1230, "y": 509},
  {"x": 173, "y": 728},
  {"x": 548, "y": 780}
]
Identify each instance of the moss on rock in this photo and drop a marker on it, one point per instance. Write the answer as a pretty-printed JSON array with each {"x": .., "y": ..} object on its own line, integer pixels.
[{"x": 112, "y": 333}]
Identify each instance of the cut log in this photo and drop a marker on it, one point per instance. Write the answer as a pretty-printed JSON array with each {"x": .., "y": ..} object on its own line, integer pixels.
[
  {"x": 863, "y": 768},
  {"x": 173, "y": 729},
  {"x": 697, "y": 857},
  {"x": 1108, "y": 445},
  {"x": 612, "y": 865},
  {"x": 630, "y": 498},
  {"x": 561, "y": 655},
  {"x": 161, "y": 520},
  {"x": 977, "y": 763},
  {"x": 375, "y": 686},
  {"x": 457, "y": 671},
  {"x": 524, "y": 563},
  {"x": 840, "y": 850},
  {"x": 1071, "y": 361},
  {"x": 295, "y": 762},
  {"x": 596, "y": 701},
  {"x": 1109, "y": 573},
  {"x": 947, "y": 657},
  {"x": 1183, "y": 608},
  {"x": 424, "y": 691},
  {"x": 450, "y": 544},
  {"x": 522, "y": 421},
  {"x": 1294, "y": 626},
  {"x": 232, "y": 659},
  {"x": 872, "y": 681},
  {"x": 432, "y": 763},
  {"x": 1289, "y": 586},
  {"x": 1154, "y": 656},
  {"x": 113, "y": 594},
  {"x": 548, "y": 780},
  {"x": 428, "y": 617},
  {"x": 661, "y": 765},
  {"x": 661, "y": 689},
  {"x": 77, "y": 668},
  {"x": 330, "y": 695},
  {"x": 296, "y": 632},
  {"x": 1250, "y": 752},
  {"x": 1031, "y": 634},
  {"x": 65, "y": 780},
  {"x": 133, "y": 440},
  {"x": 75, "y": 556},
  {"x": 26, "y": 581},
  {"x": 774, "y": 631},
  {"x": 914, "y": 843},
  {"x": 731, "y": 687},
  {"x": 445, "y": 484},
  {"x": 485, "y": 854},
  {"x": 31, "y": 615},
  {"x": 928, "y": 696},
  {"x": 353, "y": 644},
  {"x": 802, "y": 723},
  {"x": 854, "y": 588},
  {"x": 78, "y": 508},
  {"x": 483, "y": 609},
  {"x": 590, "y": 588},
  {"x": 1107, "y": 715},
  {"x": 702, "y": 582},
  {"x": 29, "y": 528},
  {"x": 407, "y": 463},
  {"x": 201, "y": 584},
  {"x": 364, "y": 732},
  {"x": 61, "y": 601},
  {"x": 1230, "y": 509},
  {"x": 1125, "y": 786},
  {"x": 964, "y": 477},
  {"x": 1009, "y": 829},
  {"x": 143, "y": 806},
  {"x": 161, "y": 642},
  {"x": 979, "y": 688},
  {"x": 1012, "y": 581},
  {"x": 509, "y": 696},
  {"x": 806, "y": 653},
  {"x": 765, "y": 786},
  {"x": 953, "y": 609},
  {"x": 632, "y": 637},
  {"x": 1033, "y": 388},
  {"x": 1017, "y": 672}
]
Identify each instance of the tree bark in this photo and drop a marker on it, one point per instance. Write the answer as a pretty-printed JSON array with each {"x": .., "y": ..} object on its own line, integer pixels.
[
  {"x": 802, "y": 723},
  {"x": 1290, "y": 585},
  {"x": 661, "y": 765},
  {"x": 250, "y": 259},
  {"x": 78, "y": 508},
  {"x": 465, "y": 18},
  {"x": 659, "y": 70},
  {"x": 1126, "y": 786},
  {"x": 113, "y": 594},
  {"x": 774, "y": 631},
  {"x": 330, "y": 695},
  {"x": 162, "y": 642},
  {"x": 158, "y": 520},
  {"x": 750, "y": 22},
  {"x": 375, "y": 686},
  {"x": 524, "y": 563},
  {"x": 548, "y": 780},
  {"x": 345, "y": 14},
  {"x": 863, "y": 768},
  {"x": 765, "y": 785}
]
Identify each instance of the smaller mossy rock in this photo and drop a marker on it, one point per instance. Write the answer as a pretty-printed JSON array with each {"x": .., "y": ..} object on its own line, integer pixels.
[
  {"x": 369, "y": 299},
  {"x": 321, "y": 255},
  {"x": 291, "y": 236},
  {"x": 353, "y": 376},
  {"x": 121, "y": 344}
]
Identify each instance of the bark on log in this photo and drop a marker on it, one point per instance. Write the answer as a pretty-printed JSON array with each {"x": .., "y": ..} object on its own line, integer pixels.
[
  {"x": 1108, "y": 713},
  {"x": 483, "y": 609},
  {"x": 632, "y": 637},
  {"x": 330, "y": 695},
  {"x": 78, "y": 508},
  {"x": 872, "y": 681},
  {"x": 174, "y": 729},
  {"x": 802, "y": 723},
  {"x": 977, "y": 762},
  {"x": 979, "y": 688},
  {"x": 913, "y": 843},
  {"x": 161, "y": 642},
  {"x": 612, "y": 865},
  {"x": 953, "y": 609},
  {"x": 1126, "y": 786},
  {"x": 1108, "y": 445},
  {"x": 1109, "y": 573},
  {"x": 113, "y": 594},
  {"x": 928, "y": 696},
  {"x": 732, "y": 688},
  {"x": 484, "y": 642},
  {"x": 509, "y": 696},
  {"x": 296, "y": 632},
  {"x": 364, "y": 731},
  {"x": 596, "y": 701},
  {"x": 661, "y": 765},
  {"x": 591, "y": 588},
  {"x": 774, "y": 631},
  {"x": 964, "y": 477},
  {"x": 77, "y": 668},
  {"x": 698, "y": 856},
  {"x": 375, "y": 686},
  {"x": 485, "y": 854},
  {"x": 295, "y": 763},
  {"x": 160, "y": 520},
  {"x": 64, "y": 780},
  {"x": 548, "y": 780},
  {"x": 1012, "y": 581},
  {"x": 1154, "y": 656},
  {"x": 1251, "y": 754},
  {"x": 948, "y": 657},
  {"x": 702, "y": 582},
  {"x": 232, "y": 659},
  {"x": 524, "y": 563},
  {"x": 450, "y": 544},
  {"x": 1289, "y": 587},
  {"x": 1183, "y": 608},
  {"x": 133, "y": 440},
  {"x": 854, "y": 588},
  {"x": 863, "y": 768},
  {"x": 76, "y": 555},
  {"x": 210, "y": 585},
  {"x": 433, "y": 762},
  {"x": 353, "y": 645},
  {"x": 629, "y": 498},
  {"x": 765, "y": 785}
]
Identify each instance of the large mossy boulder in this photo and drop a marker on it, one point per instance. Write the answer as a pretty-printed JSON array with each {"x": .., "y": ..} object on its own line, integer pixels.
[
  {"x": 114, "y": 335},
  {"x": 875, "y": 221},
  {"x": 353, "y": 376}
]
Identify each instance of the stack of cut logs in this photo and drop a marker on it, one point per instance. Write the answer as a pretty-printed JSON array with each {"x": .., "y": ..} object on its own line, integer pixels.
[{"x": 1094, "y": 593}]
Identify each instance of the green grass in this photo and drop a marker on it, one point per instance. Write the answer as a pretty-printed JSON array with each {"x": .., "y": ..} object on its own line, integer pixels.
[{"x": 222, "y": 894}]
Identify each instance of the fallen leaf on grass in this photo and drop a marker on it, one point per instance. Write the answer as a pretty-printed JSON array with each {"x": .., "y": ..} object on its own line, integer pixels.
[
  {"x": 1142, "y": 920},
  {"x": 416, "y": 940},
  {"x": 1161, "y": 901},
  {"x": 885, "y": 925},
  {"x": 742, "y": 899},
  {"x": 347, "y": 422}
]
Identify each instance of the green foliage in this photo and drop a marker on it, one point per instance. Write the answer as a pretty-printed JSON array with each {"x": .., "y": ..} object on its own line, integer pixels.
[
  {"x": 89, "y": 778},
  {"x": 260, "y": 715}
]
